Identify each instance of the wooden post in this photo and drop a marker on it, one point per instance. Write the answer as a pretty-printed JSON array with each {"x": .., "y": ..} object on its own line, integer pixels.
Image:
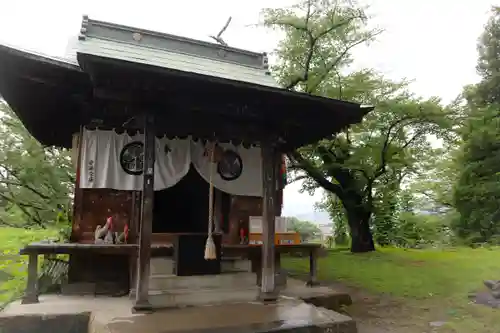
[
  {"x": 313, "y": 268},
  {"x": 146, "y": 222},
  {"x": 133, "y": 238},
  {"x": 76, "y": 232},
  {"x": 31, "y": 294},
  {"x": 268, "y": 284}
]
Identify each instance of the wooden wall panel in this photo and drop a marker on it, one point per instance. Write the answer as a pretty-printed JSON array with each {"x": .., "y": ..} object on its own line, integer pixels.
[
  {"x": 96, "y": 205},
  {"x": 241, "y": 210}
]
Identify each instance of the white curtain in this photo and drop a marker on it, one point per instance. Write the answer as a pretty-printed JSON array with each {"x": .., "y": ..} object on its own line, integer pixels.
[
  {"x": 249, "y": 183},
  {"x": 103, "y": 165}
]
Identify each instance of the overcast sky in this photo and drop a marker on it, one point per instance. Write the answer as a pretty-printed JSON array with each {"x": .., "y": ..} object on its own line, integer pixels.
[{"x": 429, "y": 41}]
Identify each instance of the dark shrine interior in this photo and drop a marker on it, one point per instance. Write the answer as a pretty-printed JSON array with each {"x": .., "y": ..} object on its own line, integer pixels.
[{"x": 183, "y": 208}]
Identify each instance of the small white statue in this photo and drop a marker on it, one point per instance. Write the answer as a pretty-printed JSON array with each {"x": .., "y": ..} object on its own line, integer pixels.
[{"x": 106, "y": 235}]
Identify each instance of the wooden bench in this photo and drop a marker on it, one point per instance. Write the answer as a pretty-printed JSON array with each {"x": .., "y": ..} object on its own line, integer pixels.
[
  {"x": 251, "y": 252},
  {"x": 254, "y": 254},
  {"x": 33, "y": 250},
  {"x": 54, "y": 271}
]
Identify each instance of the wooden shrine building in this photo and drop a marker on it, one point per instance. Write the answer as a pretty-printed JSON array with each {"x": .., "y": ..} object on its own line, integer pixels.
[{"x": 156, "y": 121}]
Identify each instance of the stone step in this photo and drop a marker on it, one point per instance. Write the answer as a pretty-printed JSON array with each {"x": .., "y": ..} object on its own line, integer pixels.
[
  {"x": 228, "y": 280},
  {"x": 165, "y": 266},
  {"x": 188, "y": 297},
  {"x": 236, "y": 265},
  {"x": 161, "y": 266}
]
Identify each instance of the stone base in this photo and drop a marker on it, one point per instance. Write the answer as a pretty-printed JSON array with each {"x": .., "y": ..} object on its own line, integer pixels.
[
  {"x": 142, "y": 307},
  {"x": 29, "y": 299},
  {"x": 70, "y": 314},
  {"x": 236, "y": 265},
  {"x": 42, "y": 323},
  {"x": 312, "y": 283},
  {"x": 268, "y": 297}
]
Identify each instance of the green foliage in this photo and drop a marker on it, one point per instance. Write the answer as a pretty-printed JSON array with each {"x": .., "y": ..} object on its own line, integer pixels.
[
  {"x": 306, "y": 229},
  {"x": 35, "y": 187},
  {"x": 488, "y": 90},
  {"x": 419, "y": 230},
  {"x": 386, "y": 202},
  {"x": 35, "y": 181},
  {"x": 330, "y": 242},
  {"x": 477, "y": 191},
  {"x": 433, "y": 186},
  {"x": 318, "y": 38},
  {"x": 436, "y": 279},
  {"x": 409, "y": 273},
  {"x": 333, "y": 206},
  {"x": 382, "y": 150},
  {"x": 13, "y": 267}
]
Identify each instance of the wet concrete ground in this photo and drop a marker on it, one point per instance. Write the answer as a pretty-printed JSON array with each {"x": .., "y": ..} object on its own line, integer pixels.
[
  {"x": 237, "y": 313},
  {"x": 114, "y": 315}
]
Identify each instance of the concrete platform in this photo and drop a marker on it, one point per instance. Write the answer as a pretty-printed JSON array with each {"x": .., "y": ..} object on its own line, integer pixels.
[
  {"x": 113, "y": 315},
  {"x": 223, "y": 303},
  {"x": 175, "y": 291}
]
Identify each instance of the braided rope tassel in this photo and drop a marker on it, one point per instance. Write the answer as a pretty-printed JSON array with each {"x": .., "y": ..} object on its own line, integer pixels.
[{"x": 210, "y": 249}]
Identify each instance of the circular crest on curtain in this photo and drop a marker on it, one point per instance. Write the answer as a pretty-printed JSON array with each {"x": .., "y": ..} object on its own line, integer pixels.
[
  {"x": 132, "y": 158},
  {"x": 230, "y": 165}
]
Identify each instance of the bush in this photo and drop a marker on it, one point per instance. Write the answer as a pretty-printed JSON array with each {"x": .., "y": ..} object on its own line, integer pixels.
[
  {"x": 417, "y": 230},
  {"x": 14, "y": 266}
]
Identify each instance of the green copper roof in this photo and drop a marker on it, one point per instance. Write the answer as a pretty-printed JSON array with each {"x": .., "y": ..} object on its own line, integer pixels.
[{"x": 173, "y": 52}]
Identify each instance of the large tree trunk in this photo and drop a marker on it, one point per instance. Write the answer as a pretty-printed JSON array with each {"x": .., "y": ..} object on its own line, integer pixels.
[{"x": 359, "y": 225}]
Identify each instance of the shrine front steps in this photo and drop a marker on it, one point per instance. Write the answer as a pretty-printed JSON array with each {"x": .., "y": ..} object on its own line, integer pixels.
[
  {"x": 219, "y": 281},
  {"x": 161, "y": 272},
  {"x": 188, "y": 297},
  {"x": 165, "y": 266},
  {"x": 161, "y": 266},
  {"x": 174, "y": 291}
]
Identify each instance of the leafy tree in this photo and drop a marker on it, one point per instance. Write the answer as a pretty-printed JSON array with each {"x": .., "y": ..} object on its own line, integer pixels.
[
  {"x": 477, "y": 192},
  {"x": 333, "y": 206},
  {"x": 488, "y": 67},
  {"x": 433, "y": 187},
  {"x": 306, "y": 229},
  {"x": 312, "y": 58},
  {"x": 418, "y": 229},
  {"x": 35, "y": 181},
  {"x": 384, "y": 220}
]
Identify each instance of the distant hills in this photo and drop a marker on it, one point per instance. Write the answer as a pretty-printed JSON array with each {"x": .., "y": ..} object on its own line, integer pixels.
[{"x": 318, "y": 217}]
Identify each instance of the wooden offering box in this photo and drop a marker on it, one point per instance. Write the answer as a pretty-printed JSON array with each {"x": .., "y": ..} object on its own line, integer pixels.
[{"x": 282, "y": 238}]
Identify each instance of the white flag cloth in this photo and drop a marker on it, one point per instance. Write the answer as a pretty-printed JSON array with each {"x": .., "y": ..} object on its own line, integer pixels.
[
  {"x": 249, "y": 181},
  {"x": 111, "y": 160}
]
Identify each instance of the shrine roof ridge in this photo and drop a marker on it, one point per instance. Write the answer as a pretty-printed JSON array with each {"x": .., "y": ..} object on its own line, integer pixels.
[
  {"x": 38, "y": 56},
  {"x": 171, "y": 43}
]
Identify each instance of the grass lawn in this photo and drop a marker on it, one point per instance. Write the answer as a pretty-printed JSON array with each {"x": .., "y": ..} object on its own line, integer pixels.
[
  {"x": 13, "y": 266},
  {"x": 433, "y": 283}
]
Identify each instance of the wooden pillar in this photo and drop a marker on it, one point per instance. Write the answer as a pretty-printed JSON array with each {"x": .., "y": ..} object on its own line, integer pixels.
[
  {"x": 268, "y": 291},
  {"x": 146, "y": 221},
  {"x": 31, "y": 293},
  {"x": 313, "y": 268},
  {"x": 77, "y": 147}
]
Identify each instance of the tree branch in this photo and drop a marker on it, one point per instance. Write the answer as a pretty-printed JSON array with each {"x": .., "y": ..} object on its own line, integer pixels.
[
  {"x": 23, "y": 207},
  {"x": 316, "y": 175},
  {"x": 385, "y": 147},
  {"x": 311, "y": 43},
  {"x": 23, "y": 184}
]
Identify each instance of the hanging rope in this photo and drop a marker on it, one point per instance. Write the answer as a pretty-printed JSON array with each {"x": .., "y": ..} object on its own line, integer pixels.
[{"x": 210, "y": 249}]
